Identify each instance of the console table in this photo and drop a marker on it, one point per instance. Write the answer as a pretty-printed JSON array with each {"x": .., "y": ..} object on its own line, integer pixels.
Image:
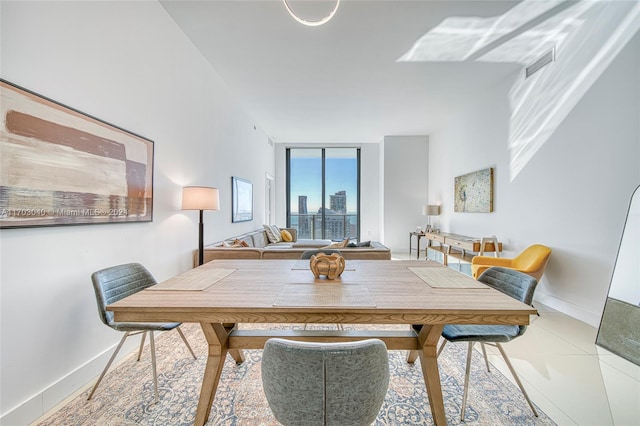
[{"x": 460, "y": 247}]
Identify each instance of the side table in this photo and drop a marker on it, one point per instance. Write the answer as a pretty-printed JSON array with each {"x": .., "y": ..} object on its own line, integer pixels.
[{"x": 418, "y": 235}]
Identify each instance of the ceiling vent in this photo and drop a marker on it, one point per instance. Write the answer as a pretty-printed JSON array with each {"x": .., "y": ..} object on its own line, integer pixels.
[{"x": 541, "y": 62}]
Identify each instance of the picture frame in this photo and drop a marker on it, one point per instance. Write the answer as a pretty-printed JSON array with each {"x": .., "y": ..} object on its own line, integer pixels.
[
  {"x": 60, "y": 166},
  {"x": 473, "y": 192},
  {"x": 241, "y": 200}
]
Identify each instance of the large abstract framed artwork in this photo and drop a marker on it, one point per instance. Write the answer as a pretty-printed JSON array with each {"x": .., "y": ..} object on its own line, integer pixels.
[
  {"x": 59, "y": 166},
  {"x": 473, "y": 192},
  {"x": 242, "y": 200}
]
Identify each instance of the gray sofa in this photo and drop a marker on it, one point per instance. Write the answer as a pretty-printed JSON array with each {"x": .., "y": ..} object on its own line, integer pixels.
[{"x": 259, "y": 247}]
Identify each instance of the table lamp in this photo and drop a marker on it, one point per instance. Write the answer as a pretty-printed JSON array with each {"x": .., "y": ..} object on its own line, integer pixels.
[
  {"x": 430, "y": 210},
  {"x": 200, "y": 198}
]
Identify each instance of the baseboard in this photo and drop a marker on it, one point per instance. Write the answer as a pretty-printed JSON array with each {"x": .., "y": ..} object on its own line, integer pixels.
[
  {"x": 68, "y": 386},
  {"x": 570, "y": 309}
]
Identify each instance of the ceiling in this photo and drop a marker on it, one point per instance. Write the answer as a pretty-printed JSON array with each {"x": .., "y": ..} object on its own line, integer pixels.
[{"x": 342, "y": 82}]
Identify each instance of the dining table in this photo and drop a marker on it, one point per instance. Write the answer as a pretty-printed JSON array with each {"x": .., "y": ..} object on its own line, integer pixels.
[{"x": 222, "y": 294}]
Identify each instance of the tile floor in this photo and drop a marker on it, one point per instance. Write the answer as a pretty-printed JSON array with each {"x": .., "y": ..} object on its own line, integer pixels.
[{"x": 571, "y": 379}]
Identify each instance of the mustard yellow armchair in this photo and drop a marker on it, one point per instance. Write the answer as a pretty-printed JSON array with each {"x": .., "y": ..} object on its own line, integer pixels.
[{"x": 531, "y": 261}]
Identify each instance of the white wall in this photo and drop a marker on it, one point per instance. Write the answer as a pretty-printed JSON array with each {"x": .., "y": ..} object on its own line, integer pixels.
[
  {"x": 370, "y": 197},
  {"x": 405, "y": 188},
  {"x": 573, "y": 193},
  {"x": 128, "y": 64}
]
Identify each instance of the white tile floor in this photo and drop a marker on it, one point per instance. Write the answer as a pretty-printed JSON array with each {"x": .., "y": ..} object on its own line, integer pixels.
[{"x": 571, "y": 379}]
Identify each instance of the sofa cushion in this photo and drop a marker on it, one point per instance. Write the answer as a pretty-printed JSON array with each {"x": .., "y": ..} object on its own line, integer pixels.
[
  {"x": 304, "y": 243},
  {"x": 228, "y": 253},
  {"x": 260, "y": 239},
  {"x": 280, "y": 245},
  {"x": 273, "y": 233}
]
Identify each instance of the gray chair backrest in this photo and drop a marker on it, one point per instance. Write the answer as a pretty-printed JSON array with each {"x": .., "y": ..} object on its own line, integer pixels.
[
  {"x": 325, "y": 383},
  {"x": 308, "y": 253},
  {"x": 513, "y": 283},
  {"x": 117, "y": 282}
]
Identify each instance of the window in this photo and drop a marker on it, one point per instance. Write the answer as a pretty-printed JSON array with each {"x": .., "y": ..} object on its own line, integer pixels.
[{"x": 323, "y": 192}]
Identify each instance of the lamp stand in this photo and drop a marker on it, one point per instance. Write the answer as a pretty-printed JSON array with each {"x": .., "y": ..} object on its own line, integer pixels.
[
  {"x": 201, "y": 241},
  {"x": 200, "y": 198}
]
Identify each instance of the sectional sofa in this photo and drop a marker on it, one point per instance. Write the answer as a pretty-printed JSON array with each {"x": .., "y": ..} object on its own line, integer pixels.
[{"x": 259, "y": 247}]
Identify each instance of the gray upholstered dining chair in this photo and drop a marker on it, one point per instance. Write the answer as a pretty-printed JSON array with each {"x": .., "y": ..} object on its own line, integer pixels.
[
  {"x": 325, "y": 383},
  {"x": 516, "y": 284},
  {"x": 115, "y": 283}
]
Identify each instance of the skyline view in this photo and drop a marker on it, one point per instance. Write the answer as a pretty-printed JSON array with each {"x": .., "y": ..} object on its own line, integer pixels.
[
  {"x": 306, "y": 180},
  {"x": 340, "y": 185}
]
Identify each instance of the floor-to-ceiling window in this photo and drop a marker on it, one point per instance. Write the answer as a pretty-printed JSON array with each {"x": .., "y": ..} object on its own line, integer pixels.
[{"x": 323, "y": 192}]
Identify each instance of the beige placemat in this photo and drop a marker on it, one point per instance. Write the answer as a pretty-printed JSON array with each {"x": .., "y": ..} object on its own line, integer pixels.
[
  {"x": 324, "y": 296},
  {"x": 302, "y": 264},
  {"x": 446, "y": 278},
  {"x": 195, "y": 279}
]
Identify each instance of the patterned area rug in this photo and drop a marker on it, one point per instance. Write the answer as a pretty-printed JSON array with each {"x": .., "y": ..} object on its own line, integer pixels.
[{"x": 125, "y": 396}]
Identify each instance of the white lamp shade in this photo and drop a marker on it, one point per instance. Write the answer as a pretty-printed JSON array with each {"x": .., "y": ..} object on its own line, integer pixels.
[
  {"x": 431, "y": 210},
  {"x": 200, "y": 198}
]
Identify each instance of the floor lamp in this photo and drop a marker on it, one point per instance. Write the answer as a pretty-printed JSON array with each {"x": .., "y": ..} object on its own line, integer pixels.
[{"x": 200, "y": 198}]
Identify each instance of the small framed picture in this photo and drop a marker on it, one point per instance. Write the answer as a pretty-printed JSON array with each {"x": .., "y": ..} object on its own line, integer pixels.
[{"x": 241, "y": 200}]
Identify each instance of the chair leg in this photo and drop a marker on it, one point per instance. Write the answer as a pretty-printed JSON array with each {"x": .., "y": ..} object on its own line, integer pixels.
[
  {"x": 444, "y": 342},
  {"x": 515, "y": 376},
  {"x": 152, "y": 341},
  {"x": 466, "y": 381},
  {"x": 537, "y": 312},
  {"x": 106, "y": 368},
  {"x": 486, "y": 360},
  {"x": 144, "y": 334},
  {"x": 184, "y": 339}
]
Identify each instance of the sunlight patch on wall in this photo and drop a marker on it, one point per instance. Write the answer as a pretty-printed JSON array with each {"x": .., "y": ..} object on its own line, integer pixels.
[{"x": 587, "y": 36}]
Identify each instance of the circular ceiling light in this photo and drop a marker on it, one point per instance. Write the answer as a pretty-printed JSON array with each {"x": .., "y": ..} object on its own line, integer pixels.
[{"x": 312, "y": 23}]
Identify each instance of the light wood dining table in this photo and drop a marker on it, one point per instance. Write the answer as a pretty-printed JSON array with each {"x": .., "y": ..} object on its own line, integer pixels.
[{"x": 221, "y": 294}]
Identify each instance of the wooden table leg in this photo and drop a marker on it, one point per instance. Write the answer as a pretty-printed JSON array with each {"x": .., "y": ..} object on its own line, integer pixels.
[
  {"x": 218, "y": 340},
  {"x": 236, "y": 354},
  {"x": 428, "y": 340}
]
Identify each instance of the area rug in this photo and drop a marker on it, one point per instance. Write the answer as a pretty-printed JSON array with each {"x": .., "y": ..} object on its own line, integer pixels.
[{"x": 125, "y": 396}]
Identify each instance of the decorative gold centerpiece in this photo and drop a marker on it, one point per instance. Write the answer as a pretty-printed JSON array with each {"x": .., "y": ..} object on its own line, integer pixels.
[{"x": 330, "y": 265}]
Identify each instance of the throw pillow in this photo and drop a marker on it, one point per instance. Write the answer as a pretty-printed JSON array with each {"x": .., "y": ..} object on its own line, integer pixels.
[
  {"x": 340, "y": 244},
  {"x": 286, "y": 236},
  {"x": 362, "y": 244},
  {"x": 239, "y": 243},
  {"x": 273, "y": 233}
]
